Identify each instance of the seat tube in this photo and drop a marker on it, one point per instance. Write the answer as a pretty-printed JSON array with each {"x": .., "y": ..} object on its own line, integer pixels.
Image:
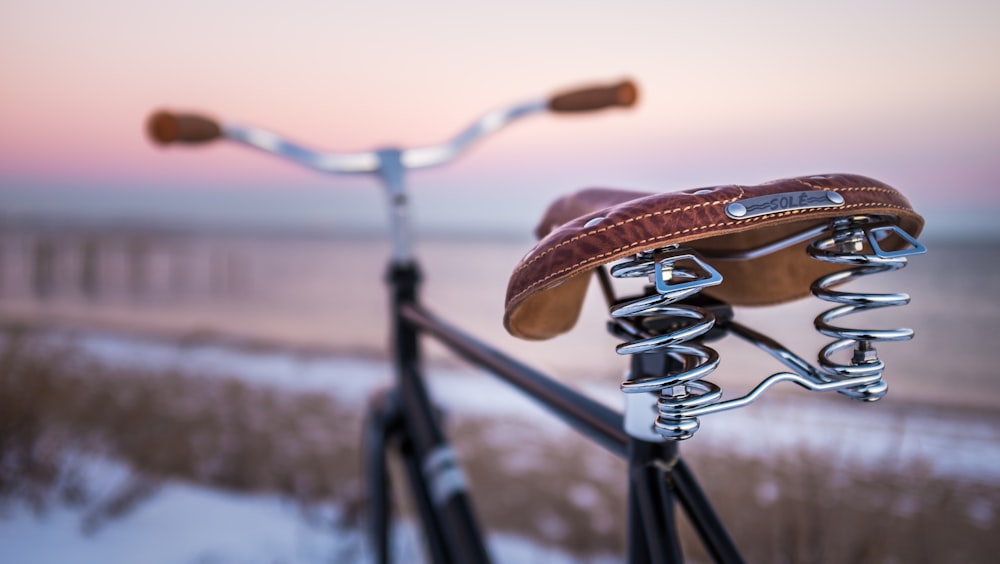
[
  {"x": 652, "y": 525},
  {"x": 393, "y": 176},
  {"x": 659, "y": 478}
]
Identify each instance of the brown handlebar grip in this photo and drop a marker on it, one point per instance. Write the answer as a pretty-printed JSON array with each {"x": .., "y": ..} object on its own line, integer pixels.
[
  {"x": 623, "y": 94},
  {"x": 166, "y": 127}
]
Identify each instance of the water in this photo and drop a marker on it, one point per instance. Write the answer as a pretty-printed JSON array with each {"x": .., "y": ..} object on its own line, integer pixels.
[{"x": 326, "y": 293}]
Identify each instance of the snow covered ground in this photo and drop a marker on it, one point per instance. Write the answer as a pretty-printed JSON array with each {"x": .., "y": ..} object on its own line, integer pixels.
[
  {"x": 951, "y": 444},
  {"x": 243, "y": 529},
  {"x": 266, "y": 528}
]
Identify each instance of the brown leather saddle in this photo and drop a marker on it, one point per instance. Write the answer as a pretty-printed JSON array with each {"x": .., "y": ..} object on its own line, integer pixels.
[{"x": 593, "y": 227}]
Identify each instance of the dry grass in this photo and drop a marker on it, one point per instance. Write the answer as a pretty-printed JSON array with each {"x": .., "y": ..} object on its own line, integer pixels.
[
  {"x": 795, "y": 508},
  {"x": 222, "y": 433},
  {"x": 558, "y": 489}
]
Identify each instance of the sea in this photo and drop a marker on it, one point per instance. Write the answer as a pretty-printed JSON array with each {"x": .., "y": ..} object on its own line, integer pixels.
[
  {"x": 298, "y": 310},
  {"x": 326, "y": 292}
]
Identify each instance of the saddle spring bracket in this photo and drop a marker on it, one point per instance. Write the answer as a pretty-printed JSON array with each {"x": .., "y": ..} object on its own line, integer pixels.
[
  {"x": 660, "y": 323},
  {"x": 846, "y": 245},
  {"x": 677, "y": 274}
]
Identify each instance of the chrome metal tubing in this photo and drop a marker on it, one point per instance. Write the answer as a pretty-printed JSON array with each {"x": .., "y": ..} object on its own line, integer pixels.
[
  {"x": 393, "y": 177},
  {"x": 369, "y": 161},
  {"x": 805, "y": 375},
  {"x": 423, "y": 157},
  {"x": 269, "y": 142},
  {"x": 798, "y": 364},
  {"x": 389, "y": 164},
  {"x": 764, "y": 250}
]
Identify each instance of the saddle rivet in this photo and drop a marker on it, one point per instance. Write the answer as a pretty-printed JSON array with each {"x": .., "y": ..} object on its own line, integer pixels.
[
  {"x": 736, "y": 209},
  {"x": 835, "y": 198},
  {"x": 593, "y": 222}
]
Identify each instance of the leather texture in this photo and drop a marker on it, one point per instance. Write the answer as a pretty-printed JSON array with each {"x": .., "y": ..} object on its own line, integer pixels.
[{"x": 547, "y": 288}]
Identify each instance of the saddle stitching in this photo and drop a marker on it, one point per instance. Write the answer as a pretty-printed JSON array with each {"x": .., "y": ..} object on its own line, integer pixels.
[
  {"x": 685, "y": 231},
  {"x": 629, "y": 220}
]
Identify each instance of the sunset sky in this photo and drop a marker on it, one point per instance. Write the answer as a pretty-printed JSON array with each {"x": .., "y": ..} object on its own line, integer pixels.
[{"x": 731, "y": 92}]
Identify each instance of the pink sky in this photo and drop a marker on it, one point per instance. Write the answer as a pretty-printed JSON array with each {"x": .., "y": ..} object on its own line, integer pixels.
[{"x": 908, "y": 92}]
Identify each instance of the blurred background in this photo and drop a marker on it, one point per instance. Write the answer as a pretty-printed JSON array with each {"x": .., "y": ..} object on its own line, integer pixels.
[{"x": 172, "y": 315}]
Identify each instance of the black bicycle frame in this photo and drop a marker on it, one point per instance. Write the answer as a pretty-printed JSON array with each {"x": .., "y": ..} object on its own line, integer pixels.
[{"x": 406, "y": 419}]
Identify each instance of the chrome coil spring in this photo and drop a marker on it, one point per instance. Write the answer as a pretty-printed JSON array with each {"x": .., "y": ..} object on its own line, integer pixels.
[
  {"x": 847, "y": 246},
  {"x": 676, "y": 274}
]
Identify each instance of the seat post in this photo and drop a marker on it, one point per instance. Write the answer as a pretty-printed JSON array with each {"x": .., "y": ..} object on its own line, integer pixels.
[
  {"x": 652, "y": 524},
  {"x": 659, "y": 478}
]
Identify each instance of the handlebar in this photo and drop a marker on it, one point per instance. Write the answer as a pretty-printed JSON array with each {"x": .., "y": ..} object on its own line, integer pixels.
[
  {"x": 166, "y": 127},
  {"x": 624, "y": 94}
]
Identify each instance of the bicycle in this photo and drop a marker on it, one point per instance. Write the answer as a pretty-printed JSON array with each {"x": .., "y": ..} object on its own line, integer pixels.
[{"x": 701, "y": 251}]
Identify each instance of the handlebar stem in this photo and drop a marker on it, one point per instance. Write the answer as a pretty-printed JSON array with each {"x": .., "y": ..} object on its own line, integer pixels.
[
  {"x": 389, "y": 164},
  {"x": 392, "y": 172}
]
